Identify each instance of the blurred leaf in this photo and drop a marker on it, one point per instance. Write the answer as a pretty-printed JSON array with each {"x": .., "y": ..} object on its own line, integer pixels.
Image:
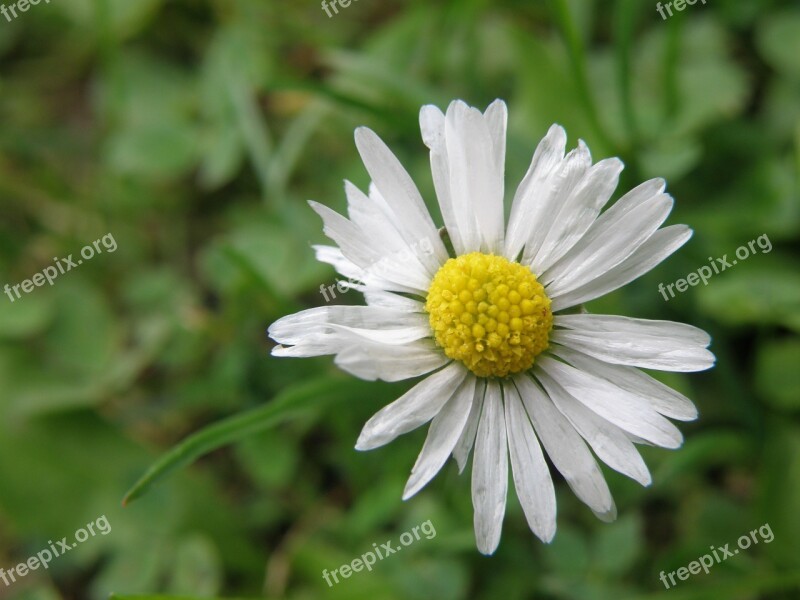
[
  {"x": 157, "y": 136},
  {"x": 780, "y": 492},
  {"x": 28, "y": 316},
  {"x": 702, "y": 451},
  {"x": 767, "y": 293},
  {"x": 568, "y": 553},
  {"x": 125, "y": 18},
  {"x": 617, "y": 546},
  {"x": 197, "y": 568},
  {"x": 290, "y": 403},
  {"x": 777, "y": 373},
  {"x": 778, "y": 38}
]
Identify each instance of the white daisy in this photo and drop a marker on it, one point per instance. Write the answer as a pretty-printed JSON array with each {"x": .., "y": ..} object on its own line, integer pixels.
[{"x": 514, "y": 367}]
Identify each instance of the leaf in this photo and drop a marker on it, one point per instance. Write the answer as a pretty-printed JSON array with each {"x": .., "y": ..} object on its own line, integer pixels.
[
  {"x": 159, "y": 597},
  {"x": 779, "y": 492},
  {"x": 288, "y": 404},
  {"x": 617, "y": 546},
  {"x": 778, "y": 39},
  {"x": 777, "y": 376},
  {"x": 762, "y": 290},
  {"x": 28, "y": 316},
  {"x": 197, "y": 569}
]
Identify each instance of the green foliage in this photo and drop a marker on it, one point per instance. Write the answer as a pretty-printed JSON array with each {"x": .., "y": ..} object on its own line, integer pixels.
[{"x": 195, "y": 131}]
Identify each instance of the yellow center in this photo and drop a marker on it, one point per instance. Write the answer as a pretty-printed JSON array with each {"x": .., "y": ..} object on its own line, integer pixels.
[{"x": 489, "y": 313}]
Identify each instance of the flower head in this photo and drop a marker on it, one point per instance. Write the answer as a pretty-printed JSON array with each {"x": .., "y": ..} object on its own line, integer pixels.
[{"x": 513, "y": 369}]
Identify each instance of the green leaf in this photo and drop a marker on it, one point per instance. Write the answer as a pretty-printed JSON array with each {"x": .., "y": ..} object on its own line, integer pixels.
[
  {"x": 617, "y": 546},
  {"x": 159, "y": 597},
  {"x": 28, "y": 316},
  {"x": 777, "y": 376},
  {"x": 731, "y": 298},
  {"x": 778, "y": 40},
  {"x": 289, "y": 404}
]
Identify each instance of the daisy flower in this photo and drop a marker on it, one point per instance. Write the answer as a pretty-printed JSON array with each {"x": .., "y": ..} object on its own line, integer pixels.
[{"x": 514, "y": 366}]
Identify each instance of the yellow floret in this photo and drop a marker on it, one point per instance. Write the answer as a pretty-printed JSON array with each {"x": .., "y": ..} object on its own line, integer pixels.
[{"x": 490, "y": 313}]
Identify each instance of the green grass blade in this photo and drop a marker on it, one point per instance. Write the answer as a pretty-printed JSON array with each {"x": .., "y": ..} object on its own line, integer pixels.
[{"x": 290, "y": 403}]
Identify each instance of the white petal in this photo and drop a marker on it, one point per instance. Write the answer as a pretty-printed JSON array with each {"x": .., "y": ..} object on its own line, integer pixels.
[
  {"x": 476, "y": 184},
  {"x": 333, "y": 256},
  {"x": 659, "y": 246},
  {"x": 413, "y": 220},
  {"x": 357, "y": 247},
  {"x": 443, "y": 434},
  {"x": 490, "y": 471},
  {"x": 559, "y": 186},
  {"x": 369, "y": 342},
  {"x": 529, "y": 197},
  {"x": 382, "y": 299},
  {"x": 566, "y": 449},
  {"x": 370, "y": 361},
  {"x": 496, "y": 116},
  {"x": 609, "y": 442},
  {"x": 299, "y": 326},
  {"x": 467, "y": 439},
  {"x": 662, "y": 398},
  {"x": 344, "y": 266},
  {"x": 625, "y": 410},
  {"x": 578, "y": 212},
  {"x": 641, "y": 343},
  {"x": 531, "y": 475},
  {"x": 613, "y": 237},
  {"x": 414, "y": 408},
  {"x": 431, "y": 123},
  {"x": 373, "y": 218}
]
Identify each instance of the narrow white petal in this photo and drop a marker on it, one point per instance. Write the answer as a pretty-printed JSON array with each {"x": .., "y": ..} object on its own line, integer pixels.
[
  {"x": 490, "y": 471},
  {"x": 443, "y": 433},
  {"x": 566, "y": 449},
  {"x": 370, "y": 361},
  {"x": 531, "y": 475},
  {"x": 333, "y": 256},
  {"x": 372, "y": 218},
  {"x": 414, "y": 408},
  {"x": 608, "y": 441},
  {"x": 360, "y": 249},
  {"x": 578, "y": 212},
  {"x": 369, "y": 342},
  {"x": 558, "y": 188},
  {"x": 528, "y": 200},
  {"x": 467, "y": 439},
  {"x": 625, "y": 410},
  {"x": 383, "y": 299},
  {"x": 613, "y": 237},
  {"x": 680, "y": 333},
  {"x": 662, "y": 398},
  {"x": 344, "y": 266},
  {"x": 413, "y": 220},
  {"x": 431, "y": 123},
  {"x": 641, "y": 343},
  {"x": 476, "y": 184},
  {"x": 496, "y": 116},
  {"x": 296, "y": 327},
  {"x": 659, "y": 246}
]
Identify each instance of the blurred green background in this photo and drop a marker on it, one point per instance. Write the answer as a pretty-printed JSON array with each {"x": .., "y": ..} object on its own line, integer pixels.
[{"x": 195, "y": 130}]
